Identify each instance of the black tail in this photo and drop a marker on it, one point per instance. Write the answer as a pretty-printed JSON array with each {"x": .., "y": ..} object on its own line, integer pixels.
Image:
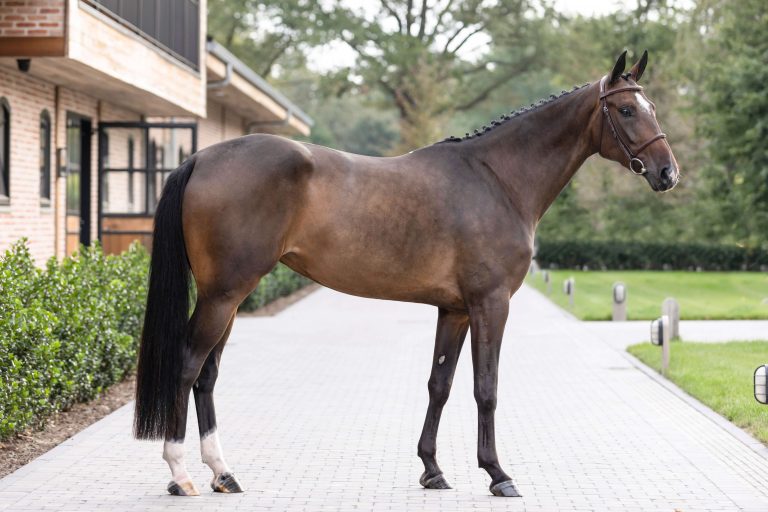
[{"x": 165, "y": 322}]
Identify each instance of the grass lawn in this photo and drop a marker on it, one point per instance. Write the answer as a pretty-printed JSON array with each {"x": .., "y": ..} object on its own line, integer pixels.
[
  {"x": 719, "y": 375},
  {"x": 702, "y": 295}
]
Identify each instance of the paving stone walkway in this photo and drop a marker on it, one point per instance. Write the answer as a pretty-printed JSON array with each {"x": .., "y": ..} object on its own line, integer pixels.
[{"x": 321, "y": 406}]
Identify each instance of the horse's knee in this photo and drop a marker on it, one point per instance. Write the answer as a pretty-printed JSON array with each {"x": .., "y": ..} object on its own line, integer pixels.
[
  {"x": 486, "y": 400},
  {"x": 439, "y": 389}
]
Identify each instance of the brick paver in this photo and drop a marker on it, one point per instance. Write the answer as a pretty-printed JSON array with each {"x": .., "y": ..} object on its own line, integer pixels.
[{"x": 321, "y": 406}]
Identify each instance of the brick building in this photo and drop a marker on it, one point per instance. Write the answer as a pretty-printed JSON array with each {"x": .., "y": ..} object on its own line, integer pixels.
[{"x": 99, "y": 101}]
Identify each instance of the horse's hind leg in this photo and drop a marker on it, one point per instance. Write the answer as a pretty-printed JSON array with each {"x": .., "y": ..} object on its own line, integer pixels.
[
  {"x": 213, "y": 313},
  {"x": 451, "y": 331},
  {"x": 210, "y": 448}
]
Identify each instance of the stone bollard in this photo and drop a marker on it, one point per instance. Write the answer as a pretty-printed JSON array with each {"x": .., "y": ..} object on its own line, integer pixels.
[
  {"x": 569, "y": 288},
  {"x": 619, "y": 302},
  {"x": 660, "y": 336},
  {"x": 671, "y": 308},
  {"x": 548, "y": 281}
]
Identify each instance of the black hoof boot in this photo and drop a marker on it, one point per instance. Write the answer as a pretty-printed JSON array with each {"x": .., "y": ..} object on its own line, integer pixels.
[
  {"x": 226, "y": 482},
  {"x": 433, "y": 482},
  {"x": 184, "y": 489},
  {"x": 506, "y": 489}
]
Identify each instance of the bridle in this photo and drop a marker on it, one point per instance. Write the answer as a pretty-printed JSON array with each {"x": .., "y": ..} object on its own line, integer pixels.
[{"x": 632, "y": 156}]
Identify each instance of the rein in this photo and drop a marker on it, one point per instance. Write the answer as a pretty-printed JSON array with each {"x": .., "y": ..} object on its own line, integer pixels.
[{"x": 633, "y": 157}]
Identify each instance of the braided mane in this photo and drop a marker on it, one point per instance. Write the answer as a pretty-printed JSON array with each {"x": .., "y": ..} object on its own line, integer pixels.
[{"x": 515, "y": 113}]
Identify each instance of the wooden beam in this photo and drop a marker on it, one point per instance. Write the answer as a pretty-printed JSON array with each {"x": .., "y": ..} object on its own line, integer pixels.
[{"x": 26, "y": 47}]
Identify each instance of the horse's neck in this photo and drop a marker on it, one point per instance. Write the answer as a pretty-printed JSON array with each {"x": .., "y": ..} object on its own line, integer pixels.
[{"x": 536, "y": 155}]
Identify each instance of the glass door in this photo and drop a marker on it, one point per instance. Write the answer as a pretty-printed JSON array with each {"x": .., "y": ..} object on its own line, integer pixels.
[{"x": 77, "y": 216}]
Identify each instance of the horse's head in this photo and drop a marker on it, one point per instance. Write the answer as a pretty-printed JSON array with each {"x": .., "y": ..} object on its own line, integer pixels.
[{"x": 630, "y": 133}]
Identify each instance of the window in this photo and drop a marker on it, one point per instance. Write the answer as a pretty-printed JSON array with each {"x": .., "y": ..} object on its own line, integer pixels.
[
  {"x": 131, "y": 167},
  {"x": 45, "y": 156},
  {"x": 5, "y": 151}
]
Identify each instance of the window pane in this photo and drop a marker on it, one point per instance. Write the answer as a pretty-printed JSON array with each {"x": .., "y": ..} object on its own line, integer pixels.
[
  {"x": 73, "y": 165},
  {"x": 45, "y": 156},
  {"x": 5, "y": 128}
]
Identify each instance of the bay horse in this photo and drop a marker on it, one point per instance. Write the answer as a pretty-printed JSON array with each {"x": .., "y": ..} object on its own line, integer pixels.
[{"x": 451, "y": 225}]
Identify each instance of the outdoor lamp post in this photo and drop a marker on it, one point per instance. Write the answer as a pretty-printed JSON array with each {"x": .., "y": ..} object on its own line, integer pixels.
[
  {"x": 671, "y": 308},
  {"x": 619, "y": 302},
  {"x": 568, "y": 288},
  {"x": 761, "y": 381},
  {"x": 660, "y": 337}
]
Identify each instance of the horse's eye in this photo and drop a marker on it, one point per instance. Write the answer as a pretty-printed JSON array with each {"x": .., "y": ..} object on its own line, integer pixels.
[{"x": 625, "y": 111}]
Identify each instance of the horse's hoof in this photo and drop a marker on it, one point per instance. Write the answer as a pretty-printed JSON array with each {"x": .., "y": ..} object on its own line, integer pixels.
[
  {"x": 186, "y": 488},
  {"x": 506, "y": 489},
  {"x": 433, "y": 482},
  {"x": 226, "y": 482}
]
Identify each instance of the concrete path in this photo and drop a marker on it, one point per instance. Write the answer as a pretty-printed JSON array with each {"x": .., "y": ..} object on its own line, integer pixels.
[{"x": 321, "y": 406}]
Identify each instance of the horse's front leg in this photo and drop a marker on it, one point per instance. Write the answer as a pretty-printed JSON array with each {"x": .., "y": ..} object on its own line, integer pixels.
[
  {"x": 451, "y": 331},
  {"x": 487, "y": 320}
]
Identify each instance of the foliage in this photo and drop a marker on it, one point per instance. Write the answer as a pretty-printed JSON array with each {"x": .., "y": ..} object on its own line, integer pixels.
[
  {"x": 66, "y": 332},
  {"x": 719, "y": 375},
  {"x": 431, "y": 58},
  {"x": 702, "y": 295},
  {"x": 280, "y": 282},
  {"x": 733, "y": 113},
  {"x": 264, "y": 34},
  {"x": 648, "y": 255}
]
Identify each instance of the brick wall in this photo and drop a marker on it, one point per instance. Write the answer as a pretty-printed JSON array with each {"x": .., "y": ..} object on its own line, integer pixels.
[
  {"x": 26, "y": 216},
  {"x": 220, "y": 125},
  {"x": 32, "y": 18}
]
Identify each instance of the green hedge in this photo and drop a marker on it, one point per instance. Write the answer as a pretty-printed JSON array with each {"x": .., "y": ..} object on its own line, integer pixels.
[
  {"x": 66, "y": 331},
  {"x": 280, "y": 282},
  {"x": 614, "y": 255},
  {"x": 72, "y": 329}
]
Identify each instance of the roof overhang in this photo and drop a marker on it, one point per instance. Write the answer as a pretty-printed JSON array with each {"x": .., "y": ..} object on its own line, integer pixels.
[{"x": 235, "y": 85}]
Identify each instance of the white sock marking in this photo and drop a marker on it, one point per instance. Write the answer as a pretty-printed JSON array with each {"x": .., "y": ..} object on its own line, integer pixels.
[
  {"x": 173, "y": 454},
  {"x": 210, "y": 449}
]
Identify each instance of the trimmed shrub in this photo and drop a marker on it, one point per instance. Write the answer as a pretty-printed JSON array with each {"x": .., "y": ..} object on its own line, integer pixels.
[
  {"x": 616, "y": 255},
  {"x": 280, "y": 282},
  {"x": 67, "y": 331}
]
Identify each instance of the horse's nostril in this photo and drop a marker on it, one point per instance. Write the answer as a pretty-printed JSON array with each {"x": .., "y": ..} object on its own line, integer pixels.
[{"x": 666, "y": 174}]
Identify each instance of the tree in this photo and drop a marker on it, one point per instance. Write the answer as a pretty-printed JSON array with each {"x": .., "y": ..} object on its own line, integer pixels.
[
  {"x": 431, "y": 58},
  {"x": 733, "y": 114},
  {"x": 264, "y": 33}
]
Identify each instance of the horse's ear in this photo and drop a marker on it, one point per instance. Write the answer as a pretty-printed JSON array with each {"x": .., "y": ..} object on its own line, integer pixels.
[
  {"x": 637, "y": 70},
  {"x": 618, "y": 68}
]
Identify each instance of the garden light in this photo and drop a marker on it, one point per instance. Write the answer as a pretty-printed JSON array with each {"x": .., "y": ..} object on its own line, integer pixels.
[
  {"x": 761, "y": 381},
  {"x": 619, "y": 302},
  {"x": 657, "y": 332},
  {"x": 660, "y": 337},
  {"x": 671, "y": 308},
  {"x": 569, "y": 286}
]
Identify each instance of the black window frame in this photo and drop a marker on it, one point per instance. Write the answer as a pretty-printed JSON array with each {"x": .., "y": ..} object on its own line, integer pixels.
[
  {"x": 45, "y": 157},
  {"x": 131, "y": 167},
  {"x": 5, "y": 151}
]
